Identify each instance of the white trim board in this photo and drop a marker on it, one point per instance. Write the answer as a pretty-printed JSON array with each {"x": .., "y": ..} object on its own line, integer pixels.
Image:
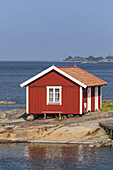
[
  {"x": 80, "y": 100},
  {"x": 89, "y": 99},
  {"x": 96, "y": 98},
  {"x": 47, "y": 71},
  {"x": 27, "y": 100},
  {"x": 101, "y": 96}
]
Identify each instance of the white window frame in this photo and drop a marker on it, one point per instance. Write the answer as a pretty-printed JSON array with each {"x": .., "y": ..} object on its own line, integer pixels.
[{"x": 60, "y": 91}]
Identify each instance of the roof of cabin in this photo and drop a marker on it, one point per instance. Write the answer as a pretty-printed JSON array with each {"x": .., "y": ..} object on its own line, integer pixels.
[
  {"x": 83, "y": 76},
  {"x": 76, "y": 74}
]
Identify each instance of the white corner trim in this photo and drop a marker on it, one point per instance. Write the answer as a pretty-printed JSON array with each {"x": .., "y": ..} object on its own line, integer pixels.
[
  {"x": 96, "y": 98},
  {"x": 54, "y": 87},
  {"x": 50, "y": 69},
  {"x": 27, "y": 100},
  {"x": 100, "y": 96},
  {"x": 89, "y": 99},
  {"x": 80, "y": 100}
]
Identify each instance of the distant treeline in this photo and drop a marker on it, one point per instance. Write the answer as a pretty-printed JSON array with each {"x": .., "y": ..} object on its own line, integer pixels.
[{"x": 90, "y": 58}]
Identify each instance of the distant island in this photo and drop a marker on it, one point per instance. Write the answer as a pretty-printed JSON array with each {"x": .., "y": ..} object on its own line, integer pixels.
[{"x": 89, "y": 59}]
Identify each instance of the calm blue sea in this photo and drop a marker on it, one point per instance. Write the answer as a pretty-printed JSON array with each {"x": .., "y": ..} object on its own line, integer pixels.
[
  {"x": 54, "y": 157},
  {"x": 12, "y": 74}
]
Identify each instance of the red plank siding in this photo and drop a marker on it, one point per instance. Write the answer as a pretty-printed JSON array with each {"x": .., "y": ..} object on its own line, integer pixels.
[
  {"x": 84, "y": 100},
  {"x": 92, "y": 99},
  {"x": 53, "y": 78},
  {"x": 38, "y": 95},
  {"x": 71, "y": 100}
]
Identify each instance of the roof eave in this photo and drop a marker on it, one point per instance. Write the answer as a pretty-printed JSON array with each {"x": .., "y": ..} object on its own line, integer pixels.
[
  {"x": 36, "y": 77},
  {"x": 48, "y": 70},
  {"x": 97, "y": 85}
]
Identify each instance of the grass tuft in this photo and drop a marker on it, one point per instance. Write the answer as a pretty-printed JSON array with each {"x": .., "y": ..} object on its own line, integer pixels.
[
  {"x": 57, "y": 119},
  {"x": 107, "y": 107},
  {"x": 110, "y": 137}
]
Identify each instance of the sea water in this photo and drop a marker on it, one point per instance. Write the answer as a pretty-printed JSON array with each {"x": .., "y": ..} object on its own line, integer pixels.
[
  {"x": 12, "y": 74},
  {"x": 54, "y": 157}
]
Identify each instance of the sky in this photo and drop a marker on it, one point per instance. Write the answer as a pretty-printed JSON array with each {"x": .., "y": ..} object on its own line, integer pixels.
[{"x": 50, "y": 30}]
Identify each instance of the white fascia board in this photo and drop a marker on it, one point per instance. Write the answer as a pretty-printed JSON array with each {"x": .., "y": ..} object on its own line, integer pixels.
[
  {"x": 37, "y": 76},
  {"x": 69, "y": 77},
  {"x": 50, "y": 69}
]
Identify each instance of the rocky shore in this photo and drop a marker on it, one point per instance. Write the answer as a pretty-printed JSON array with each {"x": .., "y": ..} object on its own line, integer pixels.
[
  {"x": 15, "y": 127},
  {"x": 7, "y": 103}
]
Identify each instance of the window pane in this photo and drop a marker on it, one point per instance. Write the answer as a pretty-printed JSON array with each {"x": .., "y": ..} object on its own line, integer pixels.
[
  {"x": 57, "y": 95},
  {"x": 50, "y": 95}
]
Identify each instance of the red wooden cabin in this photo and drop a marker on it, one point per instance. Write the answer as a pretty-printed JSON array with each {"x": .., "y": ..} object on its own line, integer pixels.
[{"x": 66, "y": 90}]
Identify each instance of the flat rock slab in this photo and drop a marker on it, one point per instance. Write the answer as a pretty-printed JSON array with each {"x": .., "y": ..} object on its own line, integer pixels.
[{"x": 7, "y": 103}]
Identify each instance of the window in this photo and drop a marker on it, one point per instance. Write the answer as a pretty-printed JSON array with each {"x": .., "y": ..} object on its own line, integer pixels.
[
  {"x": 54, "y": 95},
  {"x": 50, "y": 95}
]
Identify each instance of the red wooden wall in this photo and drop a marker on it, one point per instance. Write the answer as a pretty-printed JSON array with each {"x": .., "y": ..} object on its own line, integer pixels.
[
  {"x": 84, "y": 99},
  {"x": 38, "y": 94},
  {"x": 92, "y": 99},
  {"x": 70, "y": 95},
  {"x": 99, "y": 97}
]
